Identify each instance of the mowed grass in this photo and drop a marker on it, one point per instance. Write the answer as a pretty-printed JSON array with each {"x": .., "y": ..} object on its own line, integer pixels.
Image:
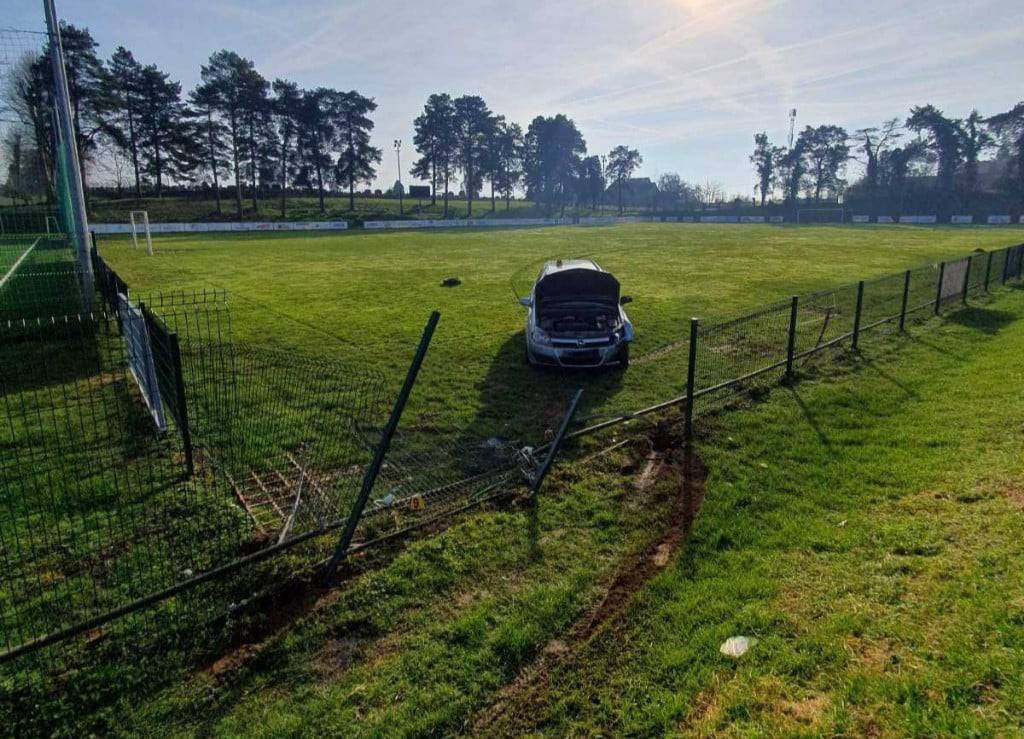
[
  {"x": 867, "y": 534},
  {"x": 421, "y": 644},
  {"x": 865, "y": 530},
  {"x": 364, "y": 298}
]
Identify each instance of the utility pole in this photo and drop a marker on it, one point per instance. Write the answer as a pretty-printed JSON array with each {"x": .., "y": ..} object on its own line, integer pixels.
[
  {"x": 66, "y": 131},
  {"x": 398, "y": 156}
]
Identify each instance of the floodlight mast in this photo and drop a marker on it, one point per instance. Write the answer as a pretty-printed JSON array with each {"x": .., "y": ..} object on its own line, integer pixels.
[
  {"x": 62, "y": 104},
  {"x": 401, "y": 190}
]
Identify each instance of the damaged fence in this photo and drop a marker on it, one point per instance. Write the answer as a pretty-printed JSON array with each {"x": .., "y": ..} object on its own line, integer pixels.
[{"x": 146, "y": 454}]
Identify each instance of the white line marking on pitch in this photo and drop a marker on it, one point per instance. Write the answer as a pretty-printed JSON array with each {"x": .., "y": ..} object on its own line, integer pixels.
[{"x": 17, "y": 264}]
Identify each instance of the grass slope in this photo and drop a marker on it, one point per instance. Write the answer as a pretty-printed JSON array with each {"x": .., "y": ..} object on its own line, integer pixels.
[{"x": 867, "y": 531}]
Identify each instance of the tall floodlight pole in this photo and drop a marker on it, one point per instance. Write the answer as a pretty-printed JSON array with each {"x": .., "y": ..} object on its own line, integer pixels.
[
  {"x": 398, "y": 156},
  {"x": 62, "y": 105}
]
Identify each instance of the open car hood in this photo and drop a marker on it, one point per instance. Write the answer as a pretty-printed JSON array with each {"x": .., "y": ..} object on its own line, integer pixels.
[{"x": 577, "y": 284}]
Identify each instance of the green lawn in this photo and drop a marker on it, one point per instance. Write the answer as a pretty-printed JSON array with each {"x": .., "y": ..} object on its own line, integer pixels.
[
  {"x": 818, "y": 490},
  {"x": 866, "y": 531},
  {"x": 364, "y": 297}
]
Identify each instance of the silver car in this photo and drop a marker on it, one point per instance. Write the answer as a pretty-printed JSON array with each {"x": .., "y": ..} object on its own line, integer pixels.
[{"x": 575, "y": 317}]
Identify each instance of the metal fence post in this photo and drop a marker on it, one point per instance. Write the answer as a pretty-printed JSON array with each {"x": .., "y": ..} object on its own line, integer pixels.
[
  {"x": 967, "y": 281},
  {"x": 1006, "y": 264},
  {"x": 988, "y": 270},
  {"x": 791, "y": 342},
  {"x": 906, "y": 297},
  {"x": 545, "y": 467},
  {"x": 182, "y": 414},
  {"x": 856, "y": 314},
  {"x": 938, "y": 290},
  {"x": 370, "y": 477},
  {"x": 691, "y": 369}
]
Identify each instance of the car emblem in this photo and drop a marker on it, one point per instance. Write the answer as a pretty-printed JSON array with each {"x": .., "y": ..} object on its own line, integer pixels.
[{"x": 580, "y": 343}]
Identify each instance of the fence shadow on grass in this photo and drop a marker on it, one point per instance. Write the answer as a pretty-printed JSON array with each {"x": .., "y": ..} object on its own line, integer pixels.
[
  {"x": 812, "y": 421},
  {"x": 986, "y": 320}
]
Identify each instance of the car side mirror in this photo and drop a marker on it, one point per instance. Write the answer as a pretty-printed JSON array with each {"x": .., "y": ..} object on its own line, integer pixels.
[
  {"x": 625, "y": 299},
  {"x": 525, "y": 302}
]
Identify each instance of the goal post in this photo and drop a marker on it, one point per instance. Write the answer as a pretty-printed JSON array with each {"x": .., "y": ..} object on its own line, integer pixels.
[
  {"x": 140, "y": 221},
  {"x": 821, "y": 215}
]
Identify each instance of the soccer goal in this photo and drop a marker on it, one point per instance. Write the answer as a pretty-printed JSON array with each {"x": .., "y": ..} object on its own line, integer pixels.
[
  {"x": 140, "y": 222},
  {"x": 821, "y": 215}
]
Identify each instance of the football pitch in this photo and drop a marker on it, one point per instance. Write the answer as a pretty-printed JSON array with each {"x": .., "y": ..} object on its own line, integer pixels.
[
  {"x": 826, "y": 508},
  {"x": 363, "y": 298}
]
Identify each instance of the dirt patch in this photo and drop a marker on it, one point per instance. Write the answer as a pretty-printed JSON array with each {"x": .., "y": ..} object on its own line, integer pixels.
[
  {"x": 232, "y": 661},
  {"x": 1015, "y": 494},
  {"x": 652, "y": 467},
  {"x": 807, "y": 711},
  {"x": 338, "y": 655},
  {"x": 688, "y": 473}
]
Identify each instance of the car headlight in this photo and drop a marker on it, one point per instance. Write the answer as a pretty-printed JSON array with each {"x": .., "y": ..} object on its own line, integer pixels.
[{"x": 541, "y": 337}]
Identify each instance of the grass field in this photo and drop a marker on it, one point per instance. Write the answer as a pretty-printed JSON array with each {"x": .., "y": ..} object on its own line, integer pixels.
[
  {"x": 364, "y": 298},
  {"x": 866, "y": 531},
  {"x": 826, "y": 507}
]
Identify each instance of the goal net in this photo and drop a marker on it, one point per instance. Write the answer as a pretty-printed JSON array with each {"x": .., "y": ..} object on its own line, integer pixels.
[
  {"x": 140, "y": 227},
  {"x": 821, "y": 215}
]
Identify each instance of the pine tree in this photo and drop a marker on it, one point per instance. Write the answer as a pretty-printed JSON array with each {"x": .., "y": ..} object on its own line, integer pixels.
[{"x": 352, "y": 135}]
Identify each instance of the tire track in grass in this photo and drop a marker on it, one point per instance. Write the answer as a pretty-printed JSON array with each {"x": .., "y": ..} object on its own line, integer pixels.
[{"x": 685, "y": 469}]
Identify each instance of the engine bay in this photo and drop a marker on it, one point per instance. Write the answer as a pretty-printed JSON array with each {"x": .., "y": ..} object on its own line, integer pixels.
[{"x": 576, "y": 318}]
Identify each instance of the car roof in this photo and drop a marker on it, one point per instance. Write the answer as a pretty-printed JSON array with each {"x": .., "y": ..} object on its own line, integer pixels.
[{"x": 563, "y": 265}]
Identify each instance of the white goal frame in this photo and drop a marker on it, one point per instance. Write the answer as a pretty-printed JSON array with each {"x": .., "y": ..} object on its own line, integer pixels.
[
  {"x": 840, "y": 211},
  {"x": 140, "y": 218}
]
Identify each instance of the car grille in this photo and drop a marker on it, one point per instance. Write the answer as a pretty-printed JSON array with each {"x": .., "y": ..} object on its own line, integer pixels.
[
  {"x": 581, "y": 358},
  {"x": 574, "y": 344}
]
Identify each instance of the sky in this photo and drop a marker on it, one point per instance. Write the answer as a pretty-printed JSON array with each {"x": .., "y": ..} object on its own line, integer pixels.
[{"x": 687, "y": 82}]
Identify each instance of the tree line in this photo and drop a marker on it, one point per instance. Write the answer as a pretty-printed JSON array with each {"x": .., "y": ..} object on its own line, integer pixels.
[
  {"x": 462, "y": 137},
  {"x": 240, "y": 132},
  {"x": 928, "y": 146},
  {"x": 234, "y": 126}
]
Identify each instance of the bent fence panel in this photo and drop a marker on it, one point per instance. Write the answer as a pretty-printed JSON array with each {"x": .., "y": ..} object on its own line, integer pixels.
[{"x": 99, "y": 517}]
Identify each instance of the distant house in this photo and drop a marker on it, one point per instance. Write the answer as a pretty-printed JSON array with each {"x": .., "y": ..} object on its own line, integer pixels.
[{"x": 636, "y": 191}]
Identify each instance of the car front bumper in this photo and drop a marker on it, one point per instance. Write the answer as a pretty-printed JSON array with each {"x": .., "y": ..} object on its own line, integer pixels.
[{"x": 576, "y": 357}]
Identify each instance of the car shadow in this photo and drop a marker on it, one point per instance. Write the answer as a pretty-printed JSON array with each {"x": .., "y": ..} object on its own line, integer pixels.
[{"x": 523, "y": 405}]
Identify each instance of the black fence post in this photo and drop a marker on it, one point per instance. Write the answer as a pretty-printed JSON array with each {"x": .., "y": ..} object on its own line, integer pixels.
[
  {"x": 691, "y": 370},
  {"x": 856, "y": 314},
  {"x": 938, "y": 290},
  {"x": 370, "y": 477},
  {"x": 967, "y": 280},
  {"x": 1006, "y": 264},
  {"x": 988, "y": 270},
  {"x": 906, "y": 297},
  {"x": 182, "y": 414},
  {"x": 1020, "y": 260},
  {"x": 545, "y": 467},
  {"x": 791, "y": 342}
]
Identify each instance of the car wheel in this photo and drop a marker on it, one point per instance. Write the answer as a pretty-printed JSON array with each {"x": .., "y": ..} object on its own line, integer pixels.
[
  {"x": 624, "y": 356},
  {"x": 528, "y": 358}
]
